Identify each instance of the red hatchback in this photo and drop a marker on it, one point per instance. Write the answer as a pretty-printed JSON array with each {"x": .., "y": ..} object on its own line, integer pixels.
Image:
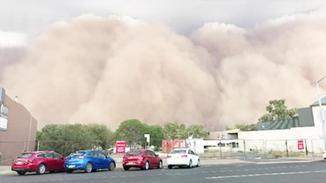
[
  {"x": 144, "y": 159},
  {"x": 38, "y": 161}
]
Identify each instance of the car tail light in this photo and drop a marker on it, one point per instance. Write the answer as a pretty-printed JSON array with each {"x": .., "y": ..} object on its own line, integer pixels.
[
  {"x": 81, "y": 157},
  {"x": 184, "y": 156}
]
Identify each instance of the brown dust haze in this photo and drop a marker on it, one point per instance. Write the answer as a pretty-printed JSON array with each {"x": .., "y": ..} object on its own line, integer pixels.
[{"x": 109, "y": 69}]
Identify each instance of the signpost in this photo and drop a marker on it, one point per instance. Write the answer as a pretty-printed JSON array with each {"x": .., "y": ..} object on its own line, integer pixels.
[{"x": 148, "y": 139}]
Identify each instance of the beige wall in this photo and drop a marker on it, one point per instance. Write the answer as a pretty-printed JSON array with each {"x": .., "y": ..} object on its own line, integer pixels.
[{"x": 21, "y": 133}]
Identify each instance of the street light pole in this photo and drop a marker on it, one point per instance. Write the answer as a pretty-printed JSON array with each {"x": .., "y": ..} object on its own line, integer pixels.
[{"x": 320, "y": 113}]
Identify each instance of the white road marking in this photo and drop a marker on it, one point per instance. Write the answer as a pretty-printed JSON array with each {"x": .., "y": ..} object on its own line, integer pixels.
[
  {"x": 266, "y": 174},
  {"x": 284, "y": 162}
]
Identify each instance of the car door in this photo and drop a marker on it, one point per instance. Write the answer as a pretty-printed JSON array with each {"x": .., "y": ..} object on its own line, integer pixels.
[
  {"x": 102, "y": 160},
  {"x": 157, "y": 159},
  {"x": 40, "y": 159},
  {"x": 152, "y": 157},
  {"x": 94, "y": 156},
  {"x": 59, "y": 162},
  {"x": 193, "y": 157},
  {"x": 49, "y": 161}
]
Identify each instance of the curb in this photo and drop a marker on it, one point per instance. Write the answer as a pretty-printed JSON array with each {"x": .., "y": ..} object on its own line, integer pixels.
[
  {"x": 286, "y": 162},
  {"x": 7, "y": 173}
]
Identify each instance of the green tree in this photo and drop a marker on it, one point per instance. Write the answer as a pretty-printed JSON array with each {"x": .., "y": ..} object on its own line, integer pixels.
[
  {"x": 277, "y": 110},
  {"x": 68, "y": 138},
  {"x": 246, "y": 127},
  {"x": 103, "y": 135},
  {"x": 175, "y": 131},
  {"x": 132, "y": 131},
  {"x": 197, "y": 131},
  {"x": 156, "y": 135}
]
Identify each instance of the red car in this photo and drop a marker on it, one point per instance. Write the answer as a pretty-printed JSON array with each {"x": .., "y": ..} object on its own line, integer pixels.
[
  {"x": 144, "y": 159},
  {"x": 38, "y": 161}
]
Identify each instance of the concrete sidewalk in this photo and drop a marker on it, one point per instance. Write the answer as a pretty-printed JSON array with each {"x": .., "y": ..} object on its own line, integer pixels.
[{"x": 5, "y": 170}]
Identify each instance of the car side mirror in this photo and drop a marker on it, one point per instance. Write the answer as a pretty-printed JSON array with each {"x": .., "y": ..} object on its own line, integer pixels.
[{"x": 156, "y": 155}]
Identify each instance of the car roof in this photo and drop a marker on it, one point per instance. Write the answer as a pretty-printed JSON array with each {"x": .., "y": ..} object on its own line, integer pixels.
[
  {"x": 37, "y": 152},
  {"x": 88, "y": 150},
  {"x": 137, "y": 150},
  {"x": 181, "y": 149},
  {"x": 178, "y": 149},
  {"x": 141, "y": 150}
]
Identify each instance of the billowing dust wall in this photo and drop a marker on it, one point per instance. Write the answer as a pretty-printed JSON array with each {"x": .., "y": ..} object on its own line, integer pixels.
[{"x": 109, "y": 69}]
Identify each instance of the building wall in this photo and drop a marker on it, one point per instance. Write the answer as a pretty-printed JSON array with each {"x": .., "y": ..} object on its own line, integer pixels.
[
  {"x": 317, "y": 116},
  {"x": 277, "y": 140},
  {"x": 21, "y": 132}
]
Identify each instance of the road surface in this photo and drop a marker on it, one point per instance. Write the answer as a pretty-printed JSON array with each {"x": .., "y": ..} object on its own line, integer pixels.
[{"x": 312, "y": 172}]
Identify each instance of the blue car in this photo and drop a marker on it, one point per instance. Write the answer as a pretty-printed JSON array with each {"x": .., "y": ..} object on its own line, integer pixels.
[{"x": 88, "y": 160}]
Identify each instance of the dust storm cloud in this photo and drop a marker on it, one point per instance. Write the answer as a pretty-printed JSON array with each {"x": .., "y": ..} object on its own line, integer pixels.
[{"x": 109, "y": 69}]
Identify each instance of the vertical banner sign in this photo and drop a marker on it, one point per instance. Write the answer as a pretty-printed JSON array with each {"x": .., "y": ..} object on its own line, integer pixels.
[
  {"x": 120, "y": 146},
  {"x": 300, "y": 144}
]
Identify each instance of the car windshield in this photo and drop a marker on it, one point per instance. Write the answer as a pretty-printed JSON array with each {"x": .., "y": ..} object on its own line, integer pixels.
[
  {"x": 179, "y": 151},
  {"x": 134, "y": 153},
  {"x": 25, "y": 155}
]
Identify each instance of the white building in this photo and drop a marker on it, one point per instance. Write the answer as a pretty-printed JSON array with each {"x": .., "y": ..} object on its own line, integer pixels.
[{"x": 306, "y": 137}]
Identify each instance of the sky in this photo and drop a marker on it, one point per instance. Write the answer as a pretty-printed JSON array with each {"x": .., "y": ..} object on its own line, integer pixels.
[{"x": 22, "y": 21}]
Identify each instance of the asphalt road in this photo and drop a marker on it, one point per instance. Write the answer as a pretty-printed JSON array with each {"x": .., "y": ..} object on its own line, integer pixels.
[{"x": 313, "y": 172}]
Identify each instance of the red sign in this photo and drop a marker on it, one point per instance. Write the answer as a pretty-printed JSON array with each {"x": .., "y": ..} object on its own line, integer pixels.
[
  {"x": 120, "y": 146},
  {"x": 300, "y": 145}
]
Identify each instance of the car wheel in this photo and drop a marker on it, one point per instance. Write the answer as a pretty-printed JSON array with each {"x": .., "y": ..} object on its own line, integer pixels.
[
  {"x": 21, "y": 172},
  {"x": 89, "y": 168},
  {"x": 126, "y": 168},
  {"x": 146, "y": 166},
  {"x": 41, "y": 169},
  {"x": 111, "y": 166},
  {"x": 190, "y": 164},
  {"x": 198, "y": 163},
  {"x": 160, "y": 164},
  {"x": 170, "y": 166}
]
